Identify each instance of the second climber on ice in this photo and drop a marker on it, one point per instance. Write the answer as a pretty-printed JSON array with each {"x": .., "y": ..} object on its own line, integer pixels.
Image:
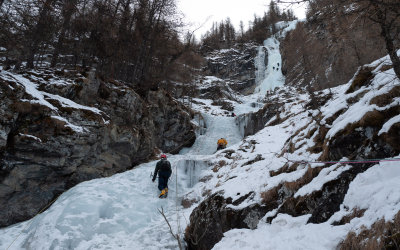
[
  {"x": 221, "y": 143},
  {"x": 163, "y": 168}
]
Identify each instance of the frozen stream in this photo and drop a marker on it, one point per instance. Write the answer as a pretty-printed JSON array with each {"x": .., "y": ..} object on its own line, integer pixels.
[{"x": 120, "y": 212}]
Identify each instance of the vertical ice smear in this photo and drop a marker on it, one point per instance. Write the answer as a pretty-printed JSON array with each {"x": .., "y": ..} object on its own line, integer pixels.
[
  {"x": 192, "y": 169},
  {"x": 259, "y": 63},
  {"x": 242, "y": 123}
]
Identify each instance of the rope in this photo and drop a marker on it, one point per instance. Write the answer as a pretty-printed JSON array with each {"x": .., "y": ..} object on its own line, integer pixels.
[
  {"x": 176, "y": 201},
  {"x": 33, "y": 219},
  {"x": 349, "y": 161},
  {"x": 181, "y": 144}
]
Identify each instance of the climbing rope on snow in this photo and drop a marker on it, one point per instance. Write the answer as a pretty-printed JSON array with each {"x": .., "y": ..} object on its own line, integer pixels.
[
  {"x": 33, "y": 219},
  {"x": 181, "y": 144},
  {"x": 349, "y": 161}
]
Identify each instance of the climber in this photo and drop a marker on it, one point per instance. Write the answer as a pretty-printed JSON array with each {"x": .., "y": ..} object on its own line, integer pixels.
[
  {"x": 221, "y": 144},
  {"x": 164, "y": 170},
  {"x": 233, "y": 114}
]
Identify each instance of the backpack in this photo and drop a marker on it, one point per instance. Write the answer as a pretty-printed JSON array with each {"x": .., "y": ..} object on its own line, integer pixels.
[{"x": 165, "y": 166}]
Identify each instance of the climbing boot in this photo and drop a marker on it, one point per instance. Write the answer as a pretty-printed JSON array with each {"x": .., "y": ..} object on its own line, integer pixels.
[
  {"x": 166, "y": 193},
  {"x": 162, "y": 194}
]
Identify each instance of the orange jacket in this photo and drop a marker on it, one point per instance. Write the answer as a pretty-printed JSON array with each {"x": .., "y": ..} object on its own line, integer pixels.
[{"x": 222, "y": 141}]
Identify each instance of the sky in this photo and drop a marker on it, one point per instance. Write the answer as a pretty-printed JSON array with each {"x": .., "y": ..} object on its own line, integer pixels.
[{"x": 196, "y": 12}]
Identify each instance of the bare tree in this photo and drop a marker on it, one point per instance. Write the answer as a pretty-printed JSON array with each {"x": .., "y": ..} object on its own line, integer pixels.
[
  {"x": 176, "y": 236},
  {"x": 68, "y": 9},
  {"x": 38, "y": 31},
  {"x": 385, "y": 13}
]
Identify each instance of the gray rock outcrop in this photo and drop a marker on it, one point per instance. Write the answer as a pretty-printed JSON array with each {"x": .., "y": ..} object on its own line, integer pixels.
[
  {"x": 83, "y": 128},
  {"x": 253, "y": 122},
  {"x": 213, "y": 217},
  {"x": 236, "y": 65}
]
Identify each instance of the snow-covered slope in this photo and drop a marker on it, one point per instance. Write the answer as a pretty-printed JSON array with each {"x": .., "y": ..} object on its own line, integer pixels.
[
  {"x": 316, "y": 205},
  {"x": 119, "y": 212}
]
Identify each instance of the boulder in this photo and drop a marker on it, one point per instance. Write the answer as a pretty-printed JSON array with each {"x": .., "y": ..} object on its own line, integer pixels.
[
  {"x": 217, "y": 215},
  {"x": 253, "y": 122}
]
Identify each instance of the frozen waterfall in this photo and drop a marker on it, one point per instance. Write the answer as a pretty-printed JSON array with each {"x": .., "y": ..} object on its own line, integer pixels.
[
  {"x": 217, "y": 127},
  {"x": 269, "y": 76}
]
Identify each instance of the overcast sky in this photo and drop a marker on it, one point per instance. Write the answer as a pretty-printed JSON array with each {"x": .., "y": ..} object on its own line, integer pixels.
[{"x": 197, "y": 11}]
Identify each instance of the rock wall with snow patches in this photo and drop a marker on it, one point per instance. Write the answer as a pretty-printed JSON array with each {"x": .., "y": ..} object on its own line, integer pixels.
[{"x": 60, "y": 128}]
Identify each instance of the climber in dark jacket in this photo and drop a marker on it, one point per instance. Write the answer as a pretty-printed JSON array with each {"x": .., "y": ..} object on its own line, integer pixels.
[{"x": 164, "y": 170}]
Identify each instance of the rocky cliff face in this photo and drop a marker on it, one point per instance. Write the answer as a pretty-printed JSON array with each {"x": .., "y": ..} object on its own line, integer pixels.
[
  {"x": 326, "y": 53},
  {"x": 236, "y": 65},
  {"x": 253, "y": 122},
  {"x": 59, "y": 128}
]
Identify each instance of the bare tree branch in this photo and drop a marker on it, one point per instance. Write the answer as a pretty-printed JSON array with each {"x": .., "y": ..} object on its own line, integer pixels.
[{"x": 176, "y": 236}]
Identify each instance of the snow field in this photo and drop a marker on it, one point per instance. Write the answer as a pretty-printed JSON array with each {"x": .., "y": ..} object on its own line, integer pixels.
[
  {"x": 375, "y": 190},
  {"x": 119, "y": 212}
]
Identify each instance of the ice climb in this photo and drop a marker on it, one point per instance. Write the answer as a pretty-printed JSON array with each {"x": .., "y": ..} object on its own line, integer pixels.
[{"x": 127, "y": 132}]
